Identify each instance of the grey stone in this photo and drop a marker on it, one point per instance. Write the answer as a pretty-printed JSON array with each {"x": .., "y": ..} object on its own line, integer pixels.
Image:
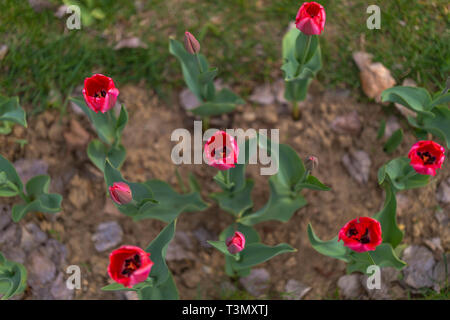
[
  {"x": 108, "y": 235},
  {"x": 349, "y": 123},
  {"x": 257, "y": 282},
  {"x": 32, "y": 236},
  {"x": 419, "y": 270},
  {"x": 439, "y": 273},
  {"x": 41, "y": 269},
  {"x": 28, "y": 168},
  {"x": 358, "y": 165},
  {"x": 59, "y": 289},
  {"x": 3, "y": 51},
  {"x": 295, "y": 290},
  {"x": 263, "y": 95},
  {"x": 350, "y": 286},
  {"x": 180, "y": 247},
  {"x": 15, "y": 254},
  {"x": 391, "y": 126},
  {"x": 388, "y": 275},
  {"x": 188, "y": 99},
  {"x": 278, "y": 88},
  {"x": 10, "y": 237},
  {"x": 442, "y": 216},
  {"x": 443, "y": 192},
  {"x": 203, "y": 235}
]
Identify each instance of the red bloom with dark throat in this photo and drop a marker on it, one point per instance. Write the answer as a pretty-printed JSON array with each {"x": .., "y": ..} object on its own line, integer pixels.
[
  {"x": 129, "y": 265},
  {"x": 361, "y": 234},
  {"x": 426, "y": 156},
  {"x": 221, "y": 151},
  {"x": 310, "y": 18},
  {"x": 100, "y": 93}
]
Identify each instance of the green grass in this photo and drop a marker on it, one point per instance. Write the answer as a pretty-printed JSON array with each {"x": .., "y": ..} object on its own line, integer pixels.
[{"x": 242, "y": 37}]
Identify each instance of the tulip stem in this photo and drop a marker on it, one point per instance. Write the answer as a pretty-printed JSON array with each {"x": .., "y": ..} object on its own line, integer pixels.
[
  {"x": 305, "y": 54},
  {"x": 370, "y": 258},
  {"x": 198, "y": 63},
  {"x": 205, "y": 122},
  {"x": 295, "y": 110}
]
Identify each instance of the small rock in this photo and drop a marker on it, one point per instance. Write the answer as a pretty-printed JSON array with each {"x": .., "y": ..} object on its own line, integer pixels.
[
  {"x": 79, "y": 192},
  {"x": 61, "y": 11},
  {"x": 439, "y": 274},
  {"x": 249, "y": 116},
  {"x": 59, "y": 289},
  {"x": 350, "y": 286},
  {"x": 296, "y": 290},
  {"x": 402, "y": 109},
  {"x": 263, "y": 95},
  {"x": 349, "y": 124},
  {"x": 388, "y": 275},
  {"x": 108, "y": 235},
  {"x": 133, "y": 42},
  {"x": 443, "y": 192},
  {"x": 434, "y": 244},
  {"x": 10, "y": 237},
  {"x": 15, "y": 254},
  {"x": 40, "y": 5},
  {"x": 28, "y": 168},
  {"x": 257, "y": 282},
  {"x": 41, "y": 269},
  {"x": 391, "y": 126},
  {"x": 375, "y": 77},
  {"x": 3, "y": 51},
  {"x": 203, "y": 235},
  {"x": 180, "y": 247},
  {"x": 442, "y": 217},
  {"x": 357, "y": 164},
  {"x": 419, "y": 270},
  {"x": 402, "y": 203},
  {"x": 278, "y": 88},
  {"x": 188, "y": 100},
  {"x": 32, "y": 236}
]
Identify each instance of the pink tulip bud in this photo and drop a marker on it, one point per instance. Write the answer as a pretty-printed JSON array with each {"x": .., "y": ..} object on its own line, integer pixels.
[
  {"x": 121, "y": 193},
  {"x": 311, "y": 163},
  {"x": 310, "y": 18},
  {"x": 221, "y": 151},
  {"x": 235, "y": 243},
  {"x": 190, "y": 43}
]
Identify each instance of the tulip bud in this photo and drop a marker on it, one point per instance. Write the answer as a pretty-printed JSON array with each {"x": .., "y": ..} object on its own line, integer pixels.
[
  {"x": 311, "y": 163},
  {"x": 310, "y": 18},
  {"x": 190, "y": 43},
  {"x": 121, "y": 193},
  {"x": 235, "y": 243}
]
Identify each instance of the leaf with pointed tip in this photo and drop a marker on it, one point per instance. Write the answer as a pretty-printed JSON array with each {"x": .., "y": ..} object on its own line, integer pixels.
[
  {"x": 10, "y": 172},
  {"x": 414, "y": 98},
  {"x": 402, "y": 175},
  {"x": 13, "y": 278},
  {"x": 438, "y": 125},
  {"x": 164, "y": 291},
  {"x": 98, "y": 152},
  {"x": 10, "y": 110},
  {"x": 256, "y": 253},
  {"x": 47, "y": 203},
  {"x": 331, "y": 248},
  {"x": 312, "y": 183},
  {"x": 383, "y": 256},
  {"x": 235, "y": 202},
  {"x": 394, "y": 141}
]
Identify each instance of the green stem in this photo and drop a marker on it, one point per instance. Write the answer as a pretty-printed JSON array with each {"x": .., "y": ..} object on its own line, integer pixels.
[
  {"x": 370, "y": 258},
  {"x": 205, "y": 123},
  {"x": 308, "y": 44},
  {"x": 295, "y": 110},
  {"x": 198, "y": 63}
]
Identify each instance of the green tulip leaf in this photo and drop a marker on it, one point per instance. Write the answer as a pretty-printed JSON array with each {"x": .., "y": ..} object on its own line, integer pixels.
[
  {"x": 331, "y": 248},
  {"x": 164, "y": 291},
  {"x": 416, "y": 99},
  {"x": 235, "y": 202},
  {"x": 10, "y": 174},
  {"x": 394, "y": 141},
  {"x": 46, "y": 203},
  {"x": 438, "y": 124},
  {"x": 402, "y": 175},
  {"x": 13, "y": 278},
  {"x": 11, "y": 111},
  {"x": 98, "y": 152}
]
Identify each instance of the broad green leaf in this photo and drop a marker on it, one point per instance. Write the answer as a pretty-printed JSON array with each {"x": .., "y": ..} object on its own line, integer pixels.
[
  {"x": 402, "y": 175},
  {"x": 208, "y": 76},
  {"x": 281, "y": 205},
  {"x": 416, "y": 99},
  {"x": 387, "y": 217},
  {"x": 165, "y": 291},
  {"x": 116, "y": 287},
  {"x": 235, "y": 202},
  {"x": 158, "y": 249},
  {"x": 97, "y": 152},
  {"x": 213, "y": 109},
  {"x": 256, "y": 253},
  {"x": 11, "y": 173},
  {"x": 295, "y": 91},
  {"x": 440, "y": 100},
  {"x": 331, "y": 248},
  {"x": 383, "y": 256},
  {"x": 11, "y": 111},
  {"x": 222, "y": 247},
  {"x": 170, "y": 203},
  {"x": 13, "y": 278},
  {"x": 47, "y": 203},
  {"x": 394, "y": 141},
  {"x": 438, "y": 125},
  {"x": 313, "y": 183},
  {"x": 381, "y": 129},
  {"x": 104, "y": 123},
  {"x": 227, "y": 96},
  {"x": 7, "y": 188},
  {"x": 37, "y": 185}
]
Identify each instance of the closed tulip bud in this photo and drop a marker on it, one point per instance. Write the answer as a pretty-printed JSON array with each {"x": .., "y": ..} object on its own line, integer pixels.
[
  {"x": 235, "y": 243},
  {"x": 190, "y": 43},
  {"x": 121, "y": 193},
  {"x": 310, "y": 18},
  {"x": 311, "y": 163}
]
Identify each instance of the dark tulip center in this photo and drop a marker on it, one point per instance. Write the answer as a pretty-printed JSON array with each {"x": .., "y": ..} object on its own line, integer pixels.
[
  {"x": 131, "y": 265},
  {"x": 313, "y": 10},
  {"x": 426, "y": 157},
  {"x": 100, "y": 94},
  {"x": 220, "y": 153},
  {"x": 353, "y": 233}
]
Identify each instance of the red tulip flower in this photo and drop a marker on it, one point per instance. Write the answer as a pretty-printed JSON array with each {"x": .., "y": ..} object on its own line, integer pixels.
[
  {"x": 235, "y": 243},
  {"x": 361, "y": 234},
  {"x": 129, "y": 265},
  {"x": 426, "y": 156},
  {"x": 100, "y": 93},
  {"x": 221, "y": 151},
  {"x": 190, "y": 43},
  {"x": 120, "y": 192},
  {"x": 310, "y": 18}
]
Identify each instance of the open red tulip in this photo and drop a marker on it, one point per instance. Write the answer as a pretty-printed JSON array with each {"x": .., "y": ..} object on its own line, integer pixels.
[
  {"x": 221, "y": 151},
  {"x": 426, "y": 156},
  {"x": 361, "y": 234},
  {"x": 100, "y": 93}
]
